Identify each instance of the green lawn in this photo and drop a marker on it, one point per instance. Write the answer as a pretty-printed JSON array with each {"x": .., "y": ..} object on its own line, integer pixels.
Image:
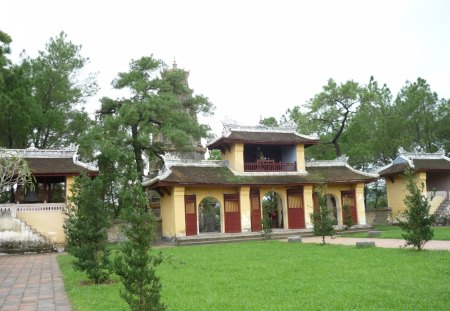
[
  {"x": 276, "y": 275},
  {"x": 394, "y": 232}
]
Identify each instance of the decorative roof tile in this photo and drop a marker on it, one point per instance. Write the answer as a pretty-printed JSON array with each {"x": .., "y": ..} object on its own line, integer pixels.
[
  {"x": 203, "y": 175},
  {"x": 419, "y": 161},
  {"x": 262, "y": 135}
]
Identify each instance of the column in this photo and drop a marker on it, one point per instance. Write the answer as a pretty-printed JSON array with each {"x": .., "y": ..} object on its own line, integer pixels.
[
  {"x": 360, "y": 207},
  {"x": 309, "y": 204},
  {"x": 244, "y": 200},
  {"x": 179, "y": 213}
]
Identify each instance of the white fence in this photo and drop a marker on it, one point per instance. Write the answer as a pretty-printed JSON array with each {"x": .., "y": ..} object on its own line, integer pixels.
[{"x": 38, "y": 207}]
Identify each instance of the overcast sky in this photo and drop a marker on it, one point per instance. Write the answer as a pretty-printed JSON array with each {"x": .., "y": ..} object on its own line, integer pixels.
[{"x": 252, "y": 59}]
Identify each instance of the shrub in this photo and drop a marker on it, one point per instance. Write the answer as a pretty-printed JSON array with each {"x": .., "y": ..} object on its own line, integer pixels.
[
  {"x": 135, "y": 264},
  {"x": 348, "y": 219},
  {"x": 416, "y": 223},
  {"x": 266, "y": 223},
  {"x": 86, "y": 229},
  {"x": 321, "y": 219}
]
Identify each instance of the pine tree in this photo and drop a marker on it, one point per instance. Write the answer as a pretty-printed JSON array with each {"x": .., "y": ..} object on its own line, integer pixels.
[
  {"x": 417, "y": 222},
  {"x": 322, "y": 221},
  {"x": 135, "y": 263},
  {"x": 86, "y": 228}
]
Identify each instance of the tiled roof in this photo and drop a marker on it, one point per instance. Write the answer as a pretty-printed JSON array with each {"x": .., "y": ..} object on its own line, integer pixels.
[
  {"x": 262, "y": 135},
  {"x": 418, "y": 162},
  {"x": 205, "y": 175},
  {"x": 55, "y": 166}
]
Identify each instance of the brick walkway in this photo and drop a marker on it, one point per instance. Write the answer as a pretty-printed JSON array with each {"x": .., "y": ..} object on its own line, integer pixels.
[{"x": 31, "y": 282}]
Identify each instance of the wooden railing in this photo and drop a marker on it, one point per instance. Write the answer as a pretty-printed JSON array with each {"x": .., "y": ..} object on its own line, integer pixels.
[{"x": 270, "y": 166}]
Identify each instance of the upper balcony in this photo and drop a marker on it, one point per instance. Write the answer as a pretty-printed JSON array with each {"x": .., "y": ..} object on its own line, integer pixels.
[
  {"x": 269, "y": 166},
  {"x": 270, "y": 158}
]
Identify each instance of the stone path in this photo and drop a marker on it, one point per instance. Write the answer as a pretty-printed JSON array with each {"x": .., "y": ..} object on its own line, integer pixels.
[
  {"x": 32, "y": 282},
  {"x": 387, "y": 243}
]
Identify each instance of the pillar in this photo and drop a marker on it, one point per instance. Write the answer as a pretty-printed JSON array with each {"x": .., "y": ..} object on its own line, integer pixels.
[
  {"x": 300, "y": 150},
  {"x": 360, "y": 207},
  {"x": 179, "y": 213},
  {"x": 309, "y": 204},
  {"x": 244, "y": 200}
]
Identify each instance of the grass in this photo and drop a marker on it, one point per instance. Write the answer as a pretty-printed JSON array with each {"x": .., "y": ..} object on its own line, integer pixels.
[
  {"x": 394, "y": 232},
  {"x": 275, "y": 275}
]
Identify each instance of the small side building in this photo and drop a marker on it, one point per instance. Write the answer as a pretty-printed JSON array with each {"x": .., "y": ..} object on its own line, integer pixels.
[
  {"x": 432, "y": 172},
  {"x": 260, "y": 166},
  {"x": 42, "y": 207}
]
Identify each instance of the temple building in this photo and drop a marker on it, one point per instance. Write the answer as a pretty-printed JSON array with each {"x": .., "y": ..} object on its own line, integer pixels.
[{"x": 263, "y": 169}]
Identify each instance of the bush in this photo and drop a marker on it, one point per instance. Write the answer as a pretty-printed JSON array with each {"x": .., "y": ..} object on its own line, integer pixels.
[
  {"x": 86, "y": 229},
  {"x": 321, "y": 219},
  {"x": 135, "y": 264},
  {"x": 266, "y": 224},
  {"x": 348, "y": 219},
  {"x": 416, "y": 223},
  {"x": 442, "y": 220}
]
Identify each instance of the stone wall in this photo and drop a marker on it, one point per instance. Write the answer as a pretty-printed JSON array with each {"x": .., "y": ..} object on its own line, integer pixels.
[{"x": 379, "y": 216}]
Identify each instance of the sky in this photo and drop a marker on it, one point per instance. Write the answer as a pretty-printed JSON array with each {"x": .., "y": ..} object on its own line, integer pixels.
[{"x": 252, "y": 59}]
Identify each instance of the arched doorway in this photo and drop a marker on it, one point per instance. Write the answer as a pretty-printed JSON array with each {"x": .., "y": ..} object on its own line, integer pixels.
[
  {"x": 272, "y": 207},
  {"x": 209, "y": 215},
  {"x": 332, "y": 207}
]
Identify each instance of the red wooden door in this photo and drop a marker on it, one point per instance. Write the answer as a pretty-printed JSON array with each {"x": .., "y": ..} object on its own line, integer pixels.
[
  {"x": 296, "y": 211},
  {"x": 255, "y": 206},
  {"x": 232, "y": 213},
  {"x": 190, "y": 214},
  {"x": 349, "y": 198}
]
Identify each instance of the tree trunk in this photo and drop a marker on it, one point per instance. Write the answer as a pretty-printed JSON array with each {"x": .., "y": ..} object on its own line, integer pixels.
[{"x": 137, "y": 152}]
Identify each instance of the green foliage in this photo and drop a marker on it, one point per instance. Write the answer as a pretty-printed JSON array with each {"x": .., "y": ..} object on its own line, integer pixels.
[
  {"x": 348, "y": 219},
  {"x": 364, "y": 122},
  {"x": 416, "y": 223},
  {"x": 266, "y": 223},
  {"x": 215, "y": 155},
  {"x": 135, "y": 264},
  {"x": 322, "y": 219},
  {"x": 161, "y": 113},
  {"x": 86, "y": 228},
  {"x": 375, "y": 195},
  {"x": 14, "y": 170},
  {"x": 269, "y": 121},
  {"x": 329, "y": 112},
  {"x": 58, "y": 92}
]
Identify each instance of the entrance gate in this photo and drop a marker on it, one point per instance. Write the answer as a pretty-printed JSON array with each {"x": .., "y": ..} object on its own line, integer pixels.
[
  {"x": 232, "y": 213},
  {"x": 255, "y": 206},
  {"x": 190, "y": 214},
  {"x": 296, "y": 211}
]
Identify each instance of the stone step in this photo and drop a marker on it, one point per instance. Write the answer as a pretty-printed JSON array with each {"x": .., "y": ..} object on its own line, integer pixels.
[{"x": 244, "y": 237}]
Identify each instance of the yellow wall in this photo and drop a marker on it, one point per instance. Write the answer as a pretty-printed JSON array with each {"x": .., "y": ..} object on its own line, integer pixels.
[
  {"x": 167, "y": 215},
  {"x": 244, "y": 197},
  {"x": 397, "y": 191},
  {"x": 173, "y": 214},
  {"x": 360, "y": 205},
  {"x": 309, "y": 204},
  {"x": 235, "y": 157},
  {"x": 300, "y": 157},
  {"x": 69, "y": 183},
  {"x": 47, "y": 223}
]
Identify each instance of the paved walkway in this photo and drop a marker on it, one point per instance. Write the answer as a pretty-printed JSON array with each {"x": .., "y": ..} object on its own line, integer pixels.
[
  {"x": 387, "y": 243},
  {"x": 31, "y": 282}
]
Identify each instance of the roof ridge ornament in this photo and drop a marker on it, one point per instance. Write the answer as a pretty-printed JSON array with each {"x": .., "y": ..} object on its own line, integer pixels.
[
  {"x": 230, "y": 127},
  {"x": 418, "y": 153}
]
